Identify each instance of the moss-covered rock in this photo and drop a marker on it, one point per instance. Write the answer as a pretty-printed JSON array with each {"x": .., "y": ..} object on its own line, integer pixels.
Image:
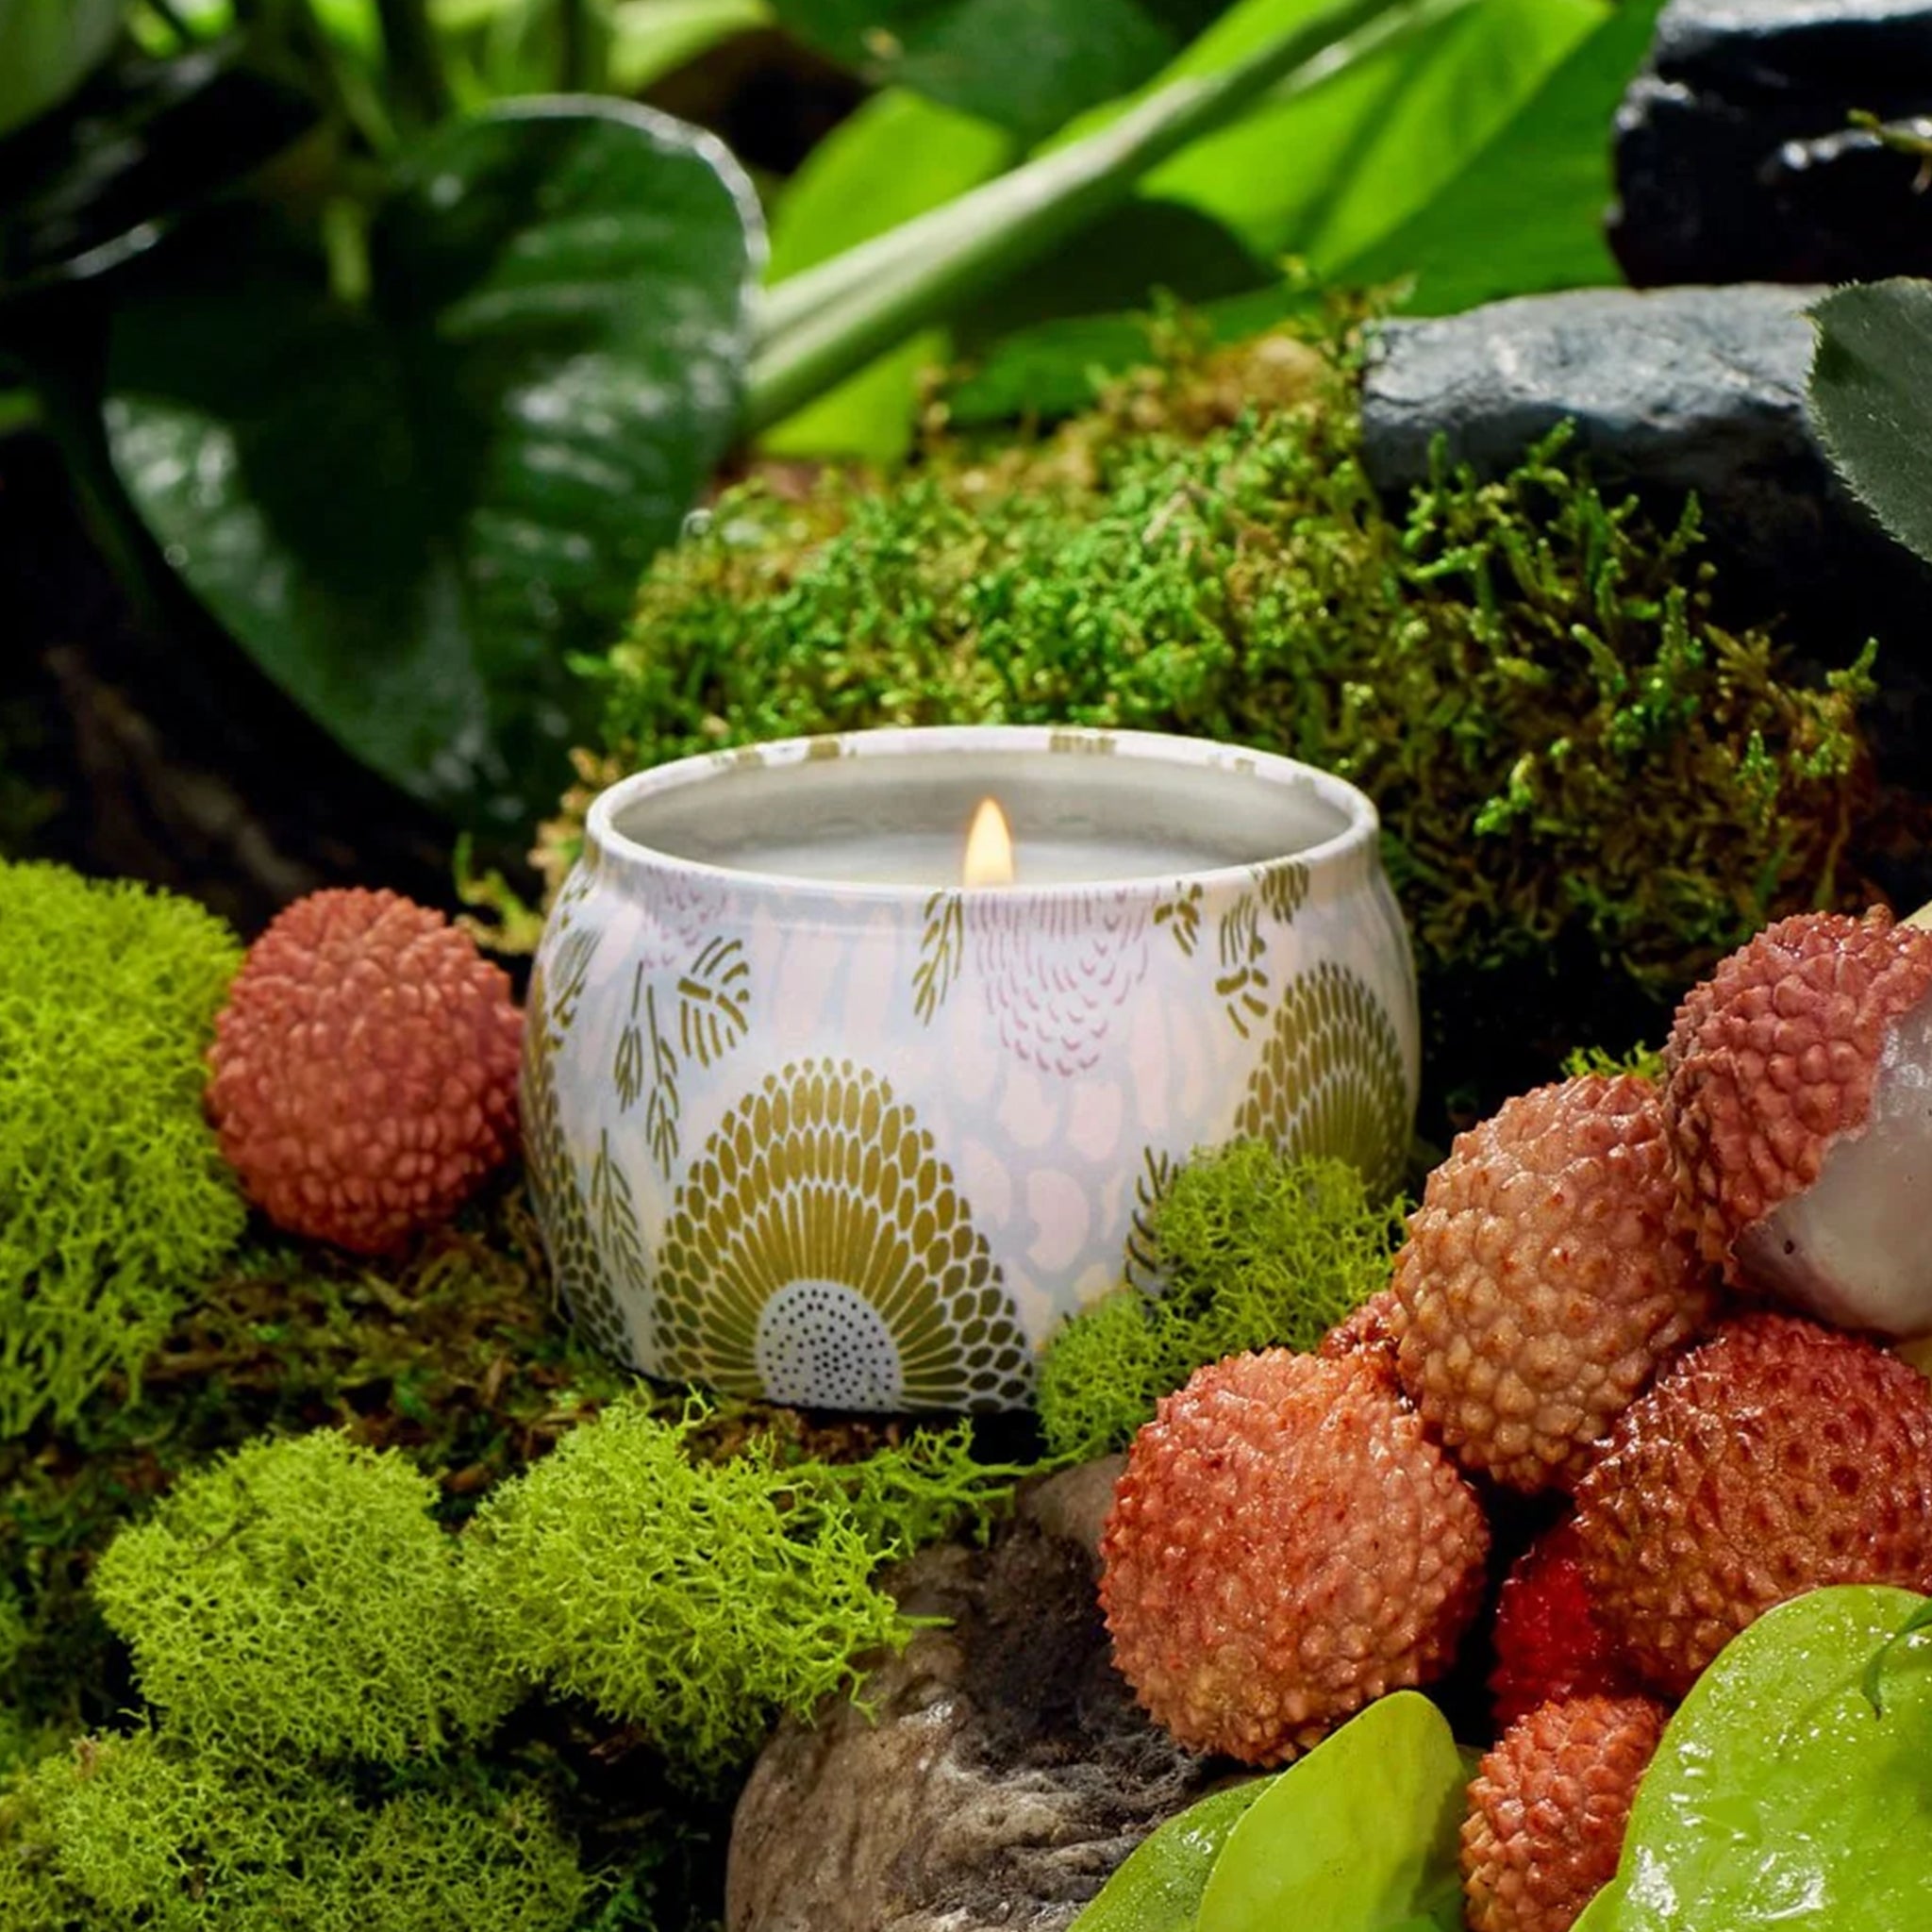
[{"x": 1589, "y": 788}]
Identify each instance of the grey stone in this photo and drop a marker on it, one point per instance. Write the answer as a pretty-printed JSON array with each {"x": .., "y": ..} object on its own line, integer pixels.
[
  {"x": 1673, "y": 391},
  {"x": 1005, "y": 1770},
  {"x": 1736, "y": 160}
]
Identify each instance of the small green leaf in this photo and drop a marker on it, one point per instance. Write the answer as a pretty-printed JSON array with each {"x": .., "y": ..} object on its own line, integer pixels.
[
  {"x": 1778, "y": 1797},
  {"x": 410, "y": 513},
  {"x": 1359, "y": 1835},
  {"x": 1872, "y": 402},
  {"x": 1159, "y": 1886},
  {"x": 47, "y": 48}
]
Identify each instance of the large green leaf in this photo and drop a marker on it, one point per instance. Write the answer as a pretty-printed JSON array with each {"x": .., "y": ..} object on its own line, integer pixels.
[
  {"x": 1780, "y": 1796},
  {"x": 1872, "y": 400},
  {"x": 1359, "y": 1835},
  {"x": 412, "y": 511},
  {"x": 1026, "y": 64},
  {"x": 1325, "y": 174},
  {"x": 899, "y": 154},
  {"x": 47, "y": 48},
  {"x": 1158, "y": 1884},
  {"x": 1526, "y": 214}
]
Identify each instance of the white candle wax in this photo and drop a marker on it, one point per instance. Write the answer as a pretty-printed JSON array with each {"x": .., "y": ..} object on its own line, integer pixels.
[
  {"x": 934, "y": 859},
  {"x": 903, "y": 822}
]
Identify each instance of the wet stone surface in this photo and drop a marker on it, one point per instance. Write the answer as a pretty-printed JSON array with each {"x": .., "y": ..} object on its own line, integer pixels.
[
  {"x": 1735, "y": 158},
  {"x": 1005, "y": 1773}
]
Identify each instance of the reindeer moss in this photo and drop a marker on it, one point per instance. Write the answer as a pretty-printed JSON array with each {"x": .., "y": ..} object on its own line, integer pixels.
[
  {"x": 696, "y": 1600},
  {"x": 1242, "y": 1249},
  {"x": 1586, "y": 781},
  {"x": 298, "y": 1596},
  {"x": 142, "y": 1831},
  {"x": 114, "y": 1203}
]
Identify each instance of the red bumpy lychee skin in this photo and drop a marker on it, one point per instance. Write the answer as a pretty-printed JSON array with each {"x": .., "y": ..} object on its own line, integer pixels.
[
  {"x": 1548, "y": 1640},
  {"x": 1285, "y": 1546},
  {"x": 1544, "y": 1278},
  {"x": 1548, "y": 1808},
  {"x": 363, "y": 1073},
  {"x": 1369, "y": 1337},
  {"x": 1779, "y": 1073},
  {"x": 1776, "y": 1458}
]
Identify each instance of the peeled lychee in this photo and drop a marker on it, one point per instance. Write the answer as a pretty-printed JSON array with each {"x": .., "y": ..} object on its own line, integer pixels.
[
  {"x": 363, "y": 1073},
  {"x": 1548, "y": 1808},
  {"x": 1548, "y": 1640},
  {"x": 1544, "y": 1278},
  {"x": 1285, "y": 1546},
  {"x": 1776, "y": 1458},
  {"x": 1799, "y": 1094}
]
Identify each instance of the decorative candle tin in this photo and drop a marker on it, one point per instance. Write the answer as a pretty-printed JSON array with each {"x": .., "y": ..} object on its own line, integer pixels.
[{"x": 807, "y": 1118}]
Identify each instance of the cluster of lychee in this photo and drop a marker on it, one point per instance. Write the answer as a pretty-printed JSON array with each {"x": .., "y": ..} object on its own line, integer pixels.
[
  {"x": 362, "y": 1079},
  {"x": 1667, "y": 1305}
]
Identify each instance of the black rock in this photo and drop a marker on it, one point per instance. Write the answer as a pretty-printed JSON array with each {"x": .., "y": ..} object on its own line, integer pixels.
[
  {"x": 1673, "y": 391},
  {"x": 1005, "y": 1770},
  {"x": 1735, "y": 158}
]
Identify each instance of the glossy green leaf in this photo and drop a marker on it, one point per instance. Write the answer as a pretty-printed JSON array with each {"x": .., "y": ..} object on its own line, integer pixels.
[
  {"x": 1026, "y": 64},
  {"x": 1328, "y": 174},
  {"x": 1526, "y": 214},
  {"x": 1872, "y": 400},
  {"x": 1778, "y": 1796},
  {"x": 1158, "y": 1884},
  {"x": 1359, "y": 1835},
  {"x": 47, "y": 48},
  {"x": 409, "y": 513},
  {"x": 896, "y": 157}
]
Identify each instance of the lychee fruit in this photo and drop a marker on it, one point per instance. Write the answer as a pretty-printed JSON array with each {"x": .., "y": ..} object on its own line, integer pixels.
[
  {"x": 1778, "y": 1457},
  {"x": 1285, "y": 1545},
  {"x": 1544, "y": 1278},
  {"x": 1548, "y": 1809},
  {"x": 1547, "y": 1639},
  {"x": 1368, "y": 1335},
  {"x": 1798, "y": 1089},
  {"x": 363, "y": 1072}
]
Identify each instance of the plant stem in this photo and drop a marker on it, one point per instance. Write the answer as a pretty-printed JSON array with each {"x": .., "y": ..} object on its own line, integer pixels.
[
  {"x": 819, "y": 327},
  {"x": 164, "y": 11},
  {"x": 415, "y": 60}
]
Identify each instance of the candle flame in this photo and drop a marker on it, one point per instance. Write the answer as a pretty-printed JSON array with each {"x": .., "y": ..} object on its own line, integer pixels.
[{"x": 988, "y": 847}]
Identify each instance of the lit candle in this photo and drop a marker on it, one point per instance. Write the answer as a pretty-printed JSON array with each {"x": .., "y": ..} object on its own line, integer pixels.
[{"x": 988, "y": 847}]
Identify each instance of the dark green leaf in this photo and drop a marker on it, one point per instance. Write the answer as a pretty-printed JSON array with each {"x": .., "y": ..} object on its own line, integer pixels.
[
  {"x": 1778, "y": 1797},
  {"x": 47, "y": 48},
  {"x": 1526, "y": 214},
  {"x": 1026, "y": 64},
  {"x": 145, "y": 142},
  {"x": 1872, "y": 400},
  {"x": 410, "y": 513}
]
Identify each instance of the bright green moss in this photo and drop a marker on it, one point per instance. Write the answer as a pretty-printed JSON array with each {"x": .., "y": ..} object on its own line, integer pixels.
[
  {"x": 143, "y": 1832},
  {"x": 1644, "y": 1061},
  {"x": 1589, "y": 788},
  {"x": 1249, "y": 1250},
  {"x": 298, "y": 1596},
  {"x": 114, "y": 1202},
  {"x": 701, "y": 1600}
]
